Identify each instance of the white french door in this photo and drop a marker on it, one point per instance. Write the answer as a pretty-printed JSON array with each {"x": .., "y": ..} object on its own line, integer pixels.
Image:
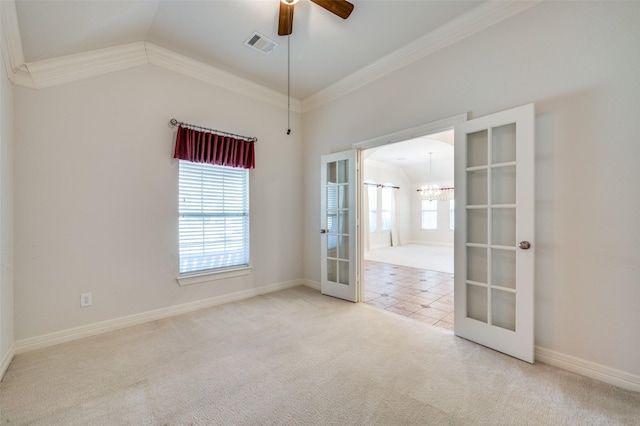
[
  {"x": 494, "y": 247},
  {"x": 339, "y": 257}
]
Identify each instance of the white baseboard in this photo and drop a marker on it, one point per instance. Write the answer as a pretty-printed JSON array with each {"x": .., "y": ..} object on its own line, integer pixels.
[
  {"x": 428, "y": 243},
  {"x": 76, "y": 333},
  {"x": 580, "y": 366},
  {"x": 311, "y": 284},
  {"x": 589, "y": 369},
  {"x": 378, "y": 246},
  {"x": 6, "y": 361}
]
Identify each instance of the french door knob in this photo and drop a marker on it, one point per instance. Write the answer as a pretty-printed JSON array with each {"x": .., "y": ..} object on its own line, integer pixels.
[
  {"x": 323, "y": 231},
  {"x": 524, "y": 245}
]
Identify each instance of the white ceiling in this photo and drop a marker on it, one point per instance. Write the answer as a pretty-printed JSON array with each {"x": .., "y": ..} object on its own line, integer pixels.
[
  {"x": 324, "y": 48},
  {"x": 412, "y": 156}
]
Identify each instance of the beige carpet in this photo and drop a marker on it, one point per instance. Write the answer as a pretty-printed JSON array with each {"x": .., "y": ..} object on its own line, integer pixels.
[
  {"x": 296, "y": 357},
  {"x": 428, "y": 256}
]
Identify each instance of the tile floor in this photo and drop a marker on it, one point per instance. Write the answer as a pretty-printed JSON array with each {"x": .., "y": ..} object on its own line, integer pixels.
[{"x": 415, "y": 293}]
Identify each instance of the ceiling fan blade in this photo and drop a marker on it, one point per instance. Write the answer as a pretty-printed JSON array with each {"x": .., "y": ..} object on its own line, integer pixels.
[
  {"x": 285, "y": 20},
  {"x": 342, "y": 8}
]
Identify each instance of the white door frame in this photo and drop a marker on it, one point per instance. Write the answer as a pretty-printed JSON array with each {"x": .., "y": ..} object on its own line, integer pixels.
[
  {"x": 399, "y": 136},
  {"x": 413, "y": 132}
]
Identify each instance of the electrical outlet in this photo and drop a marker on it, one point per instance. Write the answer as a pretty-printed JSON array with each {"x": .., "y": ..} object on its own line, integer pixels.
[{"x": 85, "y": 300}]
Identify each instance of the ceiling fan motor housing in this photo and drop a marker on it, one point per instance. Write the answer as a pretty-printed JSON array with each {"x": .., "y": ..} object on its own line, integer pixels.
[{"x": 341, "y": 8}]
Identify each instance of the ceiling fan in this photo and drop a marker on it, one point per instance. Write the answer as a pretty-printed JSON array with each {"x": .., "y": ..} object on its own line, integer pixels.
[{"x": 342, "y": 8}]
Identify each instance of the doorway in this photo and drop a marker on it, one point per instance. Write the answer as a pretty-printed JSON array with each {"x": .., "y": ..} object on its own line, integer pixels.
[{"x": 407, "y": 256}]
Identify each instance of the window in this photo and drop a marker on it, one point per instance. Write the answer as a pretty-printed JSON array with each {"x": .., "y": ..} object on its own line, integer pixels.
[
  {"x": 214, "y": 217},
  {"x": 373, "y": 207},
  {"x": 387, "y": 206},
  {"x": 429, "y": 214},
  {"x": 452, "y": 214}
]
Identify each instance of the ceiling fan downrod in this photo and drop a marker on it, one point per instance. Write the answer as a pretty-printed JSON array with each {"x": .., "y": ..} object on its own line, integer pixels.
[{"x": 341, "y": 8}]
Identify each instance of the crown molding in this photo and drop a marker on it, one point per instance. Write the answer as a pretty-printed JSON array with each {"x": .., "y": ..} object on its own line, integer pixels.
[
  {"x": 195, "y": 69},
  {"x": 12, "y": 44},
  {"x": 473, "y": 21},
  {"x": 51, "y": 72},
  {"x": 65, "y": 69}
]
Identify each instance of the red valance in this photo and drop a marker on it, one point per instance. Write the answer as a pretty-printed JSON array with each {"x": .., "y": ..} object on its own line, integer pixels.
[{"x": 222, "y": 150}]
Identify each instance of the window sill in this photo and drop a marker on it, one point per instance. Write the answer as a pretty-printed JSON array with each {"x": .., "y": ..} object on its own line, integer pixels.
[{"x": 213, "y": 276}]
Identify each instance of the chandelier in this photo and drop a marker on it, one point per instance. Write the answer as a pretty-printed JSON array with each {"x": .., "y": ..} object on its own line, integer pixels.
[{"x": 430, "y": 192}]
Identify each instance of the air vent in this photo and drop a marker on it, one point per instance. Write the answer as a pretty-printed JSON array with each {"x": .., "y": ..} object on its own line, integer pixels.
[{"x": 260, "y": 43}]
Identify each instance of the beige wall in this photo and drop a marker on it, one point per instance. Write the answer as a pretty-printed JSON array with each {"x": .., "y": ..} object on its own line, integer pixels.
[
  {"x": 96, "y": 196},
  {"x": 579, "y": 63},
  {"x": 6, "y": 216}
]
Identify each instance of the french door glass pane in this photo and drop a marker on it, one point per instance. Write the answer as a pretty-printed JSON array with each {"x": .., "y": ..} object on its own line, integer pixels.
[
  {"x": 332, "y": 223},
  {"x": 332, "y": 246},
  {"x": 343, "y": 222},
  {"x": 503, "y": 185},
  {"x": 477, "y": 264},
  {"x": 343, "y": 248},
  {"x": 477, "y": 149},
  {"x": 503, "y": 309},
  {"x": 343, "y": 171},
  {"x": 477, "y": 302},
  {"x": 477, "y": 187},
  {"x": 332, "y": 197},
  {"x": 503, "y": 149},
  {"x": 477, "y": 226},
  {"x": 503, "y": 271},
  {"x": 344, "y": 273},
  {"x": 332, "y": 270},
  {"x": 503, "y": 227},
  {"x": 332, "y": 174},
  {"x": 343, "y": 197}
]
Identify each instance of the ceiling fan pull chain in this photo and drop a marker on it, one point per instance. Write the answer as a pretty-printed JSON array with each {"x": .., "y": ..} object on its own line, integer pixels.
[{"x": 289, "y": 84}]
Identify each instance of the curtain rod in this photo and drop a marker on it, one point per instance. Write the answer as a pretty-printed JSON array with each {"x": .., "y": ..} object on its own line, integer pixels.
[
  {"x": 441, "y": 189},
  {"x": 173, "y": 122},
  {"x": 379, "y": 185}
]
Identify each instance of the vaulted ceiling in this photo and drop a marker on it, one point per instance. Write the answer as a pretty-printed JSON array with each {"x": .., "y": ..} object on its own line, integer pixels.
[
  {"x": 324, "y": 48},
  {"x": 413, "y": 157},
  {"x": 329, "y": 55}
]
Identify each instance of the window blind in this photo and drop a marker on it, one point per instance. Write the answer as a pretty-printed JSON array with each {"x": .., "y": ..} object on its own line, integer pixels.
[{"x": 214, "y": 217}]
